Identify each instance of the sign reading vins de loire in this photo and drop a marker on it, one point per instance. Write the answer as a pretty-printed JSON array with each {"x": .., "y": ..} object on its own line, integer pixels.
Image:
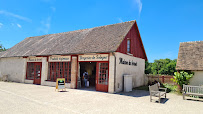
[
  {"x": 59, "y": 58},
  {"x": 34, "y": 59},
  {"x": 130, "y": 62},
  {"x": 97, "y": 57}
]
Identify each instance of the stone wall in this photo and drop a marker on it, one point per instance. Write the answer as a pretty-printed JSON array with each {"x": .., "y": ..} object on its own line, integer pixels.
[{"x": 14, "y": 67}]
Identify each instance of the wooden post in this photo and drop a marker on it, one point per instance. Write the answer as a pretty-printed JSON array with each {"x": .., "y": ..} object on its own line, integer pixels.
[{"x": 162, "y": 79}]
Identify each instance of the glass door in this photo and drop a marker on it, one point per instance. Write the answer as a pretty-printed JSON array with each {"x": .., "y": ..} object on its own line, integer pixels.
[
  {"x": 37, "y": 73},
  {"x": 102, "y": 76}
]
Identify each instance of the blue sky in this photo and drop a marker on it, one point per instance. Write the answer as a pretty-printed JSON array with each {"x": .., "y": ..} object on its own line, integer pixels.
[{"x": 163, "y": 24}]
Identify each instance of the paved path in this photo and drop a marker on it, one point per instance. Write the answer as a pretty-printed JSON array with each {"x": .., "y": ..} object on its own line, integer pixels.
[{"x": 28, "y": 98}]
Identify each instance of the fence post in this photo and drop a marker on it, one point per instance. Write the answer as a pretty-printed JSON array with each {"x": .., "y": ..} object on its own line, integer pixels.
[{"x": 162, "y": 79}]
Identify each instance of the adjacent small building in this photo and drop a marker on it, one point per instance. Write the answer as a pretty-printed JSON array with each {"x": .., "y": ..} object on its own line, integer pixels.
[
  {"x": 107, "y": 53},
  {"x": 190, "y": 58}
]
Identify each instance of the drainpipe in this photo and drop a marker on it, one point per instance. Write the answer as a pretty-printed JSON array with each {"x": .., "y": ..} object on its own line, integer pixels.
[{"x": 114, "y": 72}]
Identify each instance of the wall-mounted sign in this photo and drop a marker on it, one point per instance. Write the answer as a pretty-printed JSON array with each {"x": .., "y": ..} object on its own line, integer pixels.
[
  {"x": 34, "y": 59},
  {"x": 59, "y": 58},
  {"x": 125, "y": 62},
  {"x": 97, "y": 57},
  {"x": 60, "y": 83}
]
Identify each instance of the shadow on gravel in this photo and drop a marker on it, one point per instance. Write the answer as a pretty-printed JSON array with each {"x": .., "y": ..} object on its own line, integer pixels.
[
  {"x": 62, "y": 91},
  {"x": 195, "y": 100},
  {"x": 135, "y": 93},
  {"x": 163, "y": 100},
  {"x": 142, "y": 93}
]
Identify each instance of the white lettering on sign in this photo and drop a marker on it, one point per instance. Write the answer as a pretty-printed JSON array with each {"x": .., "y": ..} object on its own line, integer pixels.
[
  {"x": 98, "y": 57},
  {"x": 59, "y": 58},
  {"x": 34, "y": 59}
]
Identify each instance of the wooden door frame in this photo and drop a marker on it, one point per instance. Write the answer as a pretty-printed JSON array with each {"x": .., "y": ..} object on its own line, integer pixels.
[
  {"x": 37, "y": 63},
  {"x": 97, "y": 73}
]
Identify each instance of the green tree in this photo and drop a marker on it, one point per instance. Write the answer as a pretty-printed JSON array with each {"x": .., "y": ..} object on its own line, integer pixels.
[
  {"x": 148, "y": 67},
  {"x": 2, "y": 48},
  {"x": 182, "y": 78},
  {"x": 161, "y": 66}
]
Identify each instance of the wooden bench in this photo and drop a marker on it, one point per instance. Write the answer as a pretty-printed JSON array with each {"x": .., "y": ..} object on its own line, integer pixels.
[
  {"x": 192, "y": 90},
  {"x": 154, "y": 90}
]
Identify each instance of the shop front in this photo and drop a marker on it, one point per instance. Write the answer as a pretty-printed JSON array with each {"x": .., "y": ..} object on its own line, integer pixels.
[
  {"x": 34, "y": 68},
  {"x": 106, "y": 53},
  {"x": 59, "y": 67},
  {"x": 97, "y": 67}
]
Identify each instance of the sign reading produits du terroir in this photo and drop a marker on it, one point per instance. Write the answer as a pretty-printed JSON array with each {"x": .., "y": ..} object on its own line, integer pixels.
[
  {"x": 97, "y": 57},
  {"x": 34, "y": 59},
  {"x": 129, "y": 62},
  {"x": 59, "y": 58}
]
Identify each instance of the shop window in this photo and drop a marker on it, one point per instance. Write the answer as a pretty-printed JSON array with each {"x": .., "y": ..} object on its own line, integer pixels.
[
  {"x": 30, "y": 71},
  {"x": 128, "y": 46},
  {"x": 59, "y": 70}
]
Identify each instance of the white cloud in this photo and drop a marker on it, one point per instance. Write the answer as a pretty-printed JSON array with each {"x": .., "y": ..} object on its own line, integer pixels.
[
  {"x": 120, "y": 20},
  {"x": 15, "y": 16},
  {"x": 19, "y": 25},
  {"x": 139, "y": 5},
  {"x": 45, "y": 25},
  {"x": 1, "y": 25}
]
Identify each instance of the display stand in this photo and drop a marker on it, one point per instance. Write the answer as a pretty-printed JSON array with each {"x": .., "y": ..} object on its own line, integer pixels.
[{"x": 60, "y": 84}]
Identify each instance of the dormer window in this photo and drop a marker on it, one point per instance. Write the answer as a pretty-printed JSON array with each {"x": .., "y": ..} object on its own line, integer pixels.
[{"x": 128, "y": 46}]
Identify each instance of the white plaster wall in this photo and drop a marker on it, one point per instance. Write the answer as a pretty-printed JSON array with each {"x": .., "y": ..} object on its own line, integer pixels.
[
  {"x": 137, "y": 72},
  {"x": 197, "y": 79},
  {"x": 111, "y": 73},
  {"x": 44, "y": 71},
  {"x": 14, "y": 67},
  {"x": 29, "y": 81}
]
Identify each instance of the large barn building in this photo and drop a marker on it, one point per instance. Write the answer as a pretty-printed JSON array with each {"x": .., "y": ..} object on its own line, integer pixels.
[
  {"x": 190, "y": 58},
  {"x": 107, "y": 53}
]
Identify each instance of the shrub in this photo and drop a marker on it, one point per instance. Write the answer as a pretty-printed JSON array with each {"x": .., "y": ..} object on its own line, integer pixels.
[{"x": 182, "y": 78}]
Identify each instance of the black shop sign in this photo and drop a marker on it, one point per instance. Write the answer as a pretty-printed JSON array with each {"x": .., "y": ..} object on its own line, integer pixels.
[{"x": 124, "y": 62}]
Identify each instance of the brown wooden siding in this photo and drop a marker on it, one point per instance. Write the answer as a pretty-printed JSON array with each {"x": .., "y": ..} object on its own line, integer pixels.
[{"x": 137, "y": 48}]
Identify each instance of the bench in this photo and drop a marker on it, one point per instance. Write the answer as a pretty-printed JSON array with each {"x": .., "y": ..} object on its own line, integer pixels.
[
  {"x": 192, "y": 90},
  {"x": 154, "y": 90}
]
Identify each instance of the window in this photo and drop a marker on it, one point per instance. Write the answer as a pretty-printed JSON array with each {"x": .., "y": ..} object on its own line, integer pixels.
[
  {"x": 103, "y": 73},
  {"x": 30, "y": 71},
  {"x": 59, "y": 70},
  {"x": 128, "y": 46}
]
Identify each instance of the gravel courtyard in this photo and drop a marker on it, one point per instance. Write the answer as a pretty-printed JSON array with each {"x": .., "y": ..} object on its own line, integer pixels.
[{"x": 28, "y": 98}]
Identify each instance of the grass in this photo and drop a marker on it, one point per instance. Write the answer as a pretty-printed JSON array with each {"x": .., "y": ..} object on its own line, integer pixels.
[{"x": 170, "y": 88}]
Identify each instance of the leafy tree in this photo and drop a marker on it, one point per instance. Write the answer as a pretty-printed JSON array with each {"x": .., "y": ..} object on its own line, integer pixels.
[
  {"x": 148, "y": 67},
  {"x": 161, "y": 66},
  {"x": 182, "y": 78},
  {"x": 2, "y": 48}
]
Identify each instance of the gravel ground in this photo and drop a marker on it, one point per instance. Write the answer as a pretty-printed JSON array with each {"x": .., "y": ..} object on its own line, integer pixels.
[{"x": 29, "y": 98}]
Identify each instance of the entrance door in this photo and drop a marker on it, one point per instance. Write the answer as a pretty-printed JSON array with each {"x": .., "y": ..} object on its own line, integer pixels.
[
  {"x": 37, "y": 73},
  {"x": 102, "y": 76}
]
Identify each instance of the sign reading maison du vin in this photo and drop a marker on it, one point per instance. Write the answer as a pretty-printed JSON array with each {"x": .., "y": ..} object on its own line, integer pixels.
[
  {"x": 97, "y": 57},
  {"x": 34, "y": 59},
  {"x": 130, "y": 62},
  {"x": 59, "y": 58}
]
